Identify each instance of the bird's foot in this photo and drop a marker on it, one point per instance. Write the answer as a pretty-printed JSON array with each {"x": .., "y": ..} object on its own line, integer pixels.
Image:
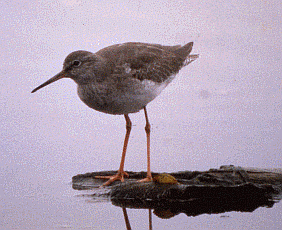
[
  {"x": 147, "y": 179},
  {"x": 119, "y": 176}
]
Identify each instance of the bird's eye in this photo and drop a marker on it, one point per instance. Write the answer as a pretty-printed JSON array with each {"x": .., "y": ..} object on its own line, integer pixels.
[{"x": 76, "y": 63}]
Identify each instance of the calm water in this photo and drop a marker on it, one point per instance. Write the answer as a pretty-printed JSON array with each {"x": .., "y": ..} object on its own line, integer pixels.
[{"x": 57, "y": 206}]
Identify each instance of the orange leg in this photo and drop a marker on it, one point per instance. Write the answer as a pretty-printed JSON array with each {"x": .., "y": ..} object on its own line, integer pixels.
[
  {"x": 147, "y": 130},
  {"x": 121, "y": 173}
]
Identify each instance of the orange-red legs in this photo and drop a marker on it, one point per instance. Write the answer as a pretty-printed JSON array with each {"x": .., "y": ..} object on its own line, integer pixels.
[
  {"x": 148, "y": 131},
  {"x": 121, "y": 173}
]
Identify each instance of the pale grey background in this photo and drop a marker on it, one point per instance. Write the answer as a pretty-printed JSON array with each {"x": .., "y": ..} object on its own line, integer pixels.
[{"x": 224, "y": 108}]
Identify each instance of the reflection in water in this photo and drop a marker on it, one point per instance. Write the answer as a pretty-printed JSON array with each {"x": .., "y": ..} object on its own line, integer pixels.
[
  {"x": 150, "y": 220},
  {"x": 168, "y": 209},
  {"x": 127, "y": 223},
  {"x": 128, "y": 227}
]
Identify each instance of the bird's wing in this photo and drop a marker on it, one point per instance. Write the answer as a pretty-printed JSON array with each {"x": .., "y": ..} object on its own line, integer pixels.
[{"x": 144, "y": 61}]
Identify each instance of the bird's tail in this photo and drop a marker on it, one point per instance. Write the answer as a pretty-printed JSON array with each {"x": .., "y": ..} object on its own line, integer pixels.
[
  {"x": 184, "y": 52},
  {"x": 190, "y": 59}
]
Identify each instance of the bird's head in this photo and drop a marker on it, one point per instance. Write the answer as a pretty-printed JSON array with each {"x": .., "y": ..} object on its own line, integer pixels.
[{"x": 81, "y": 66}]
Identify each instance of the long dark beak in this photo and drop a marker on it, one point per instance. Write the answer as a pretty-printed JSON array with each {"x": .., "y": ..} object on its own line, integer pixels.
[{"x": 51, "y": 80}]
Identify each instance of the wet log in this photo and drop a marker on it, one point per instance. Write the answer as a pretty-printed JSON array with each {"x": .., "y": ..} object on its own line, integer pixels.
[
  {"x": 225, "y": 175},
  {"x": 228, "y": 188}
]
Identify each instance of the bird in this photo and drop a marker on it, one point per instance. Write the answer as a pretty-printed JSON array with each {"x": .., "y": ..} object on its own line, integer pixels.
[{"x": 122, "y": 79}]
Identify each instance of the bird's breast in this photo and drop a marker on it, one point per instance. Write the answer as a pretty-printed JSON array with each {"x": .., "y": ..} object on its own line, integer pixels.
[{"x": 120, "y": 97}]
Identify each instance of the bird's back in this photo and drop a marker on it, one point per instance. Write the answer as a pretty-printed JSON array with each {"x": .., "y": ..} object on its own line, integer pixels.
[{"x": 146, "y": 61}]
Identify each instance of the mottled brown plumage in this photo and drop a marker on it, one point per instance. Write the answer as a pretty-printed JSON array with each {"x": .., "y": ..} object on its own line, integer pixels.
[{"x": 147, "y": 61}]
